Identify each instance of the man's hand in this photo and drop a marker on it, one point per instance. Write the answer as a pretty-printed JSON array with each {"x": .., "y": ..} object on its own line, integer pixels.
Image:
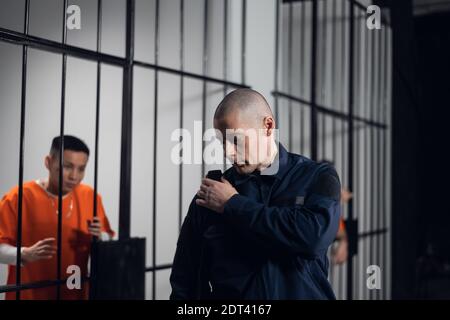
[
  {"x": 95, "y": 227},
  {"x": 214, "y": 194},
  {"x": 346, "y": 195},
  {"x": 340, "y": 253},
  {"x": 43, "y": 249}
]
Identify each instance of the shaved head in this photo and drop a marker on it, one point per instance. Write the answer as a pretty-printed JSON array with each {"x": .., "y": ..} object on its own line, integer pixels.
[
  {"x": 246, "y": 127},
  {"x": 246, "y": 106}
]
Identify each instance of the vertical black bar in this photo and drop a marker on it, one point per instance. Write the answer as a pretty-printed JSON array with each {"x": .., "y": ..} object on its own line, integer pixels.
[
  {"x": 155, "y": 141},
  {"x": 313, "y": 81},
  {"x": 127, "y": 118},
  {"x": 21, "y": 149},
  {"x": 350, "y": 148},
  {"x": 205, "y": 71},
  {"x": 380, "y": 160},
  {"x": 290, "y": 49},
  {"x": 384, "y": 150},
  {"x": 244, "y": 41},
  {"x": 97, "y": 130},
  {"x": 334, "y": 91},
  {"x": 355, "y": 145},
  {"x": 358, "y": 192},
  {"x": 180, "y": 173},
  {"x": 225, "y": 62},
  {"x": 372, "y": 151},
  {"x": 375, "y": 150},
  {"x": 343, "y": 83},
  {"x": 334, "y": 77},
  {"x": 302, "y": 75},
  {"x": 363, "y": 211},
  {"x": 61, "y": 156},
  {"x": 378, "y": 175},
  {"x": 277, "y": 51},
  {"x": 323, "y": 53},
  {"x": 97, "y": 105},
  {"x": 384, "y": 173},
  {"x": 324, "y": 74},
  {"x": 378, "y": 192},
  {"x": 343, "y": 123},
  {"x": 383, "y": 167},
  {"x": 366, "y": 154},
  {"x": 357, "y": 189}
]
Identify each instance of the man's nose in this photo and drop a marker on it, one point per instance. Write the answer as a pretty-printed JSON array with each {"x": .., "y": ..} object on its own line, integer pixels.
[
  {"x": 72, "y": 175},
  {"x": 230, "y": 151}
]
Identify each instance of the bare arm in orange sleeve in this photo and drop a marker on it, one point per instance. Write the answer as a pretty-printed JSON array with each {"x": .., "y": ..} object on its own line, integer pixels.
[{"x": 43, "y": 249}]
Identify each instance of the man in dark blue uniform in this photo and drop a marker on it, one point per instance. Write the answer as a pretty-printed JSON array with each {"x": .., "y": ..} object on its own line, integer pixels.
[{"x": 263, "y": 231}]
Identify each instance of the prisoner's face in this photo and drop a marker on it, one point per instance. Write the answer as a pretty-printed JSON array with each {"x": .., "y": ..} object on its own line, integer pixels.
[
  {"x": 74, "y": 167},
  {"x": 242, "y": 142}
]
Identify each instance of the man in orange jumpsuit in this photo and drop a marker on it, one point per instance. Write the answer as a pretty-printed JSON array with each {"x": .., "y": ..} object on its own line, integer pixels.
[{"x": 40, "y": 224}]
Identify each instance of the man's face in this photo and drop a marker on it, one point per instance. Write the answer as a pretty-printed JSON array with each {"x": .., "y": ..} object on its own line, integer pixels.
[
  {"x": 74, "y": 167},
  {"x": 242, "y": 143}
]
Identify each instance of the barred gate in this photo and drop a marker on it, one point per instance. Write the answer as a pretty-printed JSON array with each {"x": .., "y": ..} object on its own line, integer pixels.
[
  {"x": 332, "y": 101},
  {"x": 332, "y": 94}
]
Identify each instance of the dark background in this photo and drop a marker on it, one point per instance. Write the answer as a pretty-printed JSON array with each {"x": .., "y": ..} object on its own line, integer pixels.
[{"x": 421, "y": 198}]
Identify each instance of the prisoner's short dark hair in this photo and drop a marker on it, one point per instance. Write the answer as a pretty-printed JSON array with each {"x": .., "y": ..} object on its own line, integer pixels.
[{"x": 70, "y": 143}]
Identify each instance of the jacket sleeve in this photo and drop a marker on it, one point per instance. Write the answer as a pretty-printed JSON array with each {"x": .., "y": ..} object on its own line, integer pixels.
[
  {"x": 306, "y": 229},
  {"x": 184, "y": 278}
]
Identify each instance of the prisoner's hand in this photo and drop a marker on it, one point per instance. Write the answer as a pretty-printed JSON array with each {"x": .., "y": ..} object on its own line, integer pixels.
[
  {"x": 95, "y": 227},
  {"x": 43, "y": 249},
  {"x": 340, "y": 253},
  {"x": 346, "y": 195},
  {"x": 214, "y": 194}
]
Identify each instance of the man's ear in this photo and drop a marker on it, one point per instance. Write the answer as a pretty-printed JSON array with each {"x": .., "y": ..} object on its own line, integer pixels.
[
  {"x": 47, "y": 162},
  {"x": 269, "y": 124}
]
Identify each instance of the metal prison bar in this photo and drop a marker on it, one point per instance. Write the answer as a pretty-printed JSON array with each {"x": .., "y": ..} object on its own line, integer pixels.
[
  {"x": 355, "y": 120},
  {"x": 363, "y": 116},
  {"x": 127, "y": 64}
]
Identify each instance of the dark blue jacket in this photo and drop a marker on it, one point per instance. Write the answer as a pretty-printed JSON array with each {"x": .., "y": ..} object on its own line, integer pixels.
[{"x": 270, "y": 242}]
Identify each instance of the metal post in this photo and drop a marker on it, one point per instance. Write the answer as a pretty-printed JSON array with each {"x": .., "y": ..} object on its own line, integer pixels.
[
  {"x": 21, "y": 150},
  {"x": 350, "y": 148},
  {"x": 127, "y": 117},
  {"x": 155, "y": 145},
  {"x": 205, "y": 72},
  {"x": 313, "y": 81},
  {"x": 180, "y": 173},
  {"x": 61, "y": 156}
]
